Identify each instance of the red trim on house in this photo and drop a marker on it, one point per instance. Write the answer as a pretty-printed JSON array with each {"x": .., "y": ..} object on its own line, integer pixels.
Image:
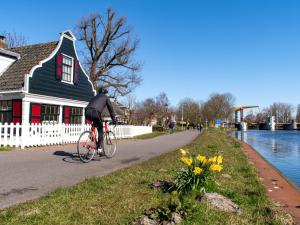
[
  {"x": 67, "y": 113},
  {"x": 59, "y": 60},
  {"x": 35, "y": 115},
  {"x": 76, "y": 63},
  {"x": 17, "y": 111}
]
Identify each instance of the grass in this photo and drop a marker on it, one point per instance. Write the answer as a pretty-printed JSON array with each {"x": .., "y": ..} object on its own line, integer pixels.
[
  {"x": 156, "y": 134},
  {"x": 6, "y": 148},
  {"x": 150, "y": 135},
  {"x": 124, "y": 195}
]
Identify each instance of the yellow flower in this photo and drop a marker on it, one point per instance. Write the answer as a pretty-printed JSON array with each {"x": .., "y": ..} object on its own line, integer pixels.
[
  {"x": 212, "y": 160},
  {"x": 187, "y": 161},
  {"x": 219, "y": 159},
  {"x": 201, "y": 159},
  {"x": 174, "y": 193},
  {"x": 197, "y": 170},
  {"x": 216, "y": 167},
  {"x": 183, "y": 151}
]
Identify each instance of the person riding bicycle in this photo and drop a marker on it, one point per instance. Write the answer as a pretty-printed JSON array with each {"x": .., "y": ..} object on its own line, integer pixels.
[{"x": 94, "y": 110}]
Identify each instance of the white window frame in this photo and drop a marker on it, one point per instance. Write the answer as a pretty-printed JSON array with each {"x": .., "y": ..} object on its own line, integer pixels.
[{"x": 72, "y": 70}]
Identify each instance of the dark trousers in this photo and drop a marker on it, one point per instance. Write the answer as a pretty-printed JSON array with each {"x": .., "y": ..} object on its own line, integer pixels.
[{"x": 95, "y": 116}]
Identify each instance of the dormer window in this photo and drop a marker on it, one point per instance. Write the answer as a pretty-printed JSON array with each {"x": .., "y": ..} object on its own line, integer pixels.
[{"x": 67, "y": 69}]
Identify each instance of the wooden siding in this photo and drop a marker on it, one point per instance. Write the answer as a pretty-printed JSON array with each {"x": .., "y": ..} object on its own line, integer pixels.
[{"x": 44, "y": 82}]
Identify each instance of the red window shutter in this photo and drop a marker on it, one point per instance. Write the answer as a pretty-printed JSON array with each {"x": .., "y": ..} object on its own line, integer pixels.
[
  {"x": 76, "y": 65},
  {"x": 35, "y": 110},
  {"x": 59, "y": 59},
  {"x": 67, "y": 112},
  {"x": 35, "y": 113},
  {"x": 17, "y": 120},
  {"x": 36, "y": 120},
  {"x": 17, "y": 107},
  {"x": 17, "y": 111}
]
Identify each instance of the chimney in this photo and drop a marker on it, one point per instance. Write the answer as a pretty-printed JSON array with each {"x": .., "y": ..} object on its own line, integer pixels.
[{"x": 3, "y": 42}]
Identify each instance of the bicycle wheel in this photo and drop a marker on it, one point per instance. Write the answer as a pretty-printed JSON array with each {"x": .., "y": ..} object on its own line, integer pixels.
[
  {"x": 86, "y": 146},
  {"x": 110, "y": 144}
]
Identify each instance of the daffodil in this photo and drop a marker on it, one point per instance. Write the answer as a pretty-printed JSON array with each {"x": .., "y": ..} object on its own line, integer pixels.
[
  {"x": 219, "y": 159},
  {"x": 187, "y": 161},
  {"x": 183, "y": 151},
  {"x": 174, "y": 193},
  {"x": 201, "y": 158},
  {"x": 197, "y": 170},
  {"x": 212, "y": 160},
  {"x": 216, "y": 167}
]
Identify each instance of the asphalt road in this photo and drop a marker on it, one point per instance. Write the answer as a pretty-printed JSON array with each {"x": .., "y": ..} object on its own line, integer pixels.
[{"x": 31, "y": 173}]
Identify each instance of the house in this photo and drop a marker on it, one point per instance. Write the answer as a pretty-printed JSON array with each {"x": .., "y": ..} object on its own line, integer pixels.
[{"x": 43, "y": 83}]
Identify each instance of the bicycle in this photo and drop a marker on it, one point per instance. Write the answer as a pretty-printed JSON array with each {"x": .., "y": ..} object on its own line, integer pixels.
[{"x": 87, "y": 144}]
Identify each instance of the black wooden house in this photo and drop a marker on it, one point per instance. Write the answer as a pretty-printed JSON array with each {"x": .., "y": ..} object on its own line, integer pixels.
[{"x": 43, "y": 83}]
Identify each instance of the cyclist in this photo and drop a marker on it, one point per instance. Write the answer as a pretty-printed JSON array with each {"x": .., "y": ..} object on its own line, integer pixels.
[{"x": 94, "y": 110}]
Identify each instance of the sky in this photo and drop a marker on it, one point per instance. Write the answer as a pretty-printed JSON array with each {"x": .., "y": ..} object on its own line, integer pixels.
[{"x": 191, "y": 48}]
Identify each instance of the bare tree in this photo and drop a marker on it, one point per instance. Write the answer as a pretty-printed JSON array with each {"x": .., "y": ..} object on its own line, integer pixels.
[
  {"x": 13, "y": 39},
  {"x": 281, "y": 111},
  {"x": 250, "y": 118},
  {"x": 109, "y": 53},
  {"x": 162, "y": 105},
  {"x": 189, "y": 111},
  {"x": 219, "y": 106},
  {"x": 131, "y": 103},
  {"x": 145, "y": 111},
  {"x": 298, "y": 114}
]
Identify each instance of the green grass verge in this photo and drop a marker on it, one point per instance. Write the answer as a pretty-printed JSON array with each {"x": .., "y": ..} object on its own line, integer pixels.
[
  {"x": 124, "y": 195},
  {"x": 150, "y": 135},
  {"x": 6, "y": 148},
  {"x": 156, "y": 134}
]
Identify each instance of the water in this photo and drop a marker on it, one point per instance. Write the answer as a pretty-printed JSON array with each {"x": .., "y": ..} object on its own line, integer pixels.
[{"x": 280, "y": 148}]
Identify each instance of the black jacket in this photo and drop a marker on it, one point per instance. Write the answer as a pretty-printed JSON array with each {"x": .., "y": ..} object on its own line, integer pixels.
[{"x": 99, "y": 102}]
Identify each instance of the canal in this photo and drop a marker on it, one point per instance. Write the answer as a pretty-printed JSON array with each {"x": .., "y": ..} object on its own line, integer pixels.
[{"x": 280, "y": 148}]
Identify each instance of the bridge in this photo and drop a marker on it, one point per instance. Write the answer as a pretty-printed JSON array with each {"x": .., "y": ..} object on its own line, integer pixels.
[
  {"x": 270, "y": 124},
  {"x": 239, "y": 122},
  {"x": 278, "y": 126}
]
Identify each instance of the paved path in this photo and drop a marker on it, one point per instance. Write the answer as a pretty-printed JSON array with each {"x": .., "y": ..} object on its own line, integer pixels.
[{"x": 28, "y": 174}]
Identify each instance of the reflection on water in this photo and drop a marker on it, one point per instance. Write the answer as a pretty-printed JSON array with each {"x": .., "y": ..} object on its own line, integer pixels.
[{"x": 280, "y": 148}]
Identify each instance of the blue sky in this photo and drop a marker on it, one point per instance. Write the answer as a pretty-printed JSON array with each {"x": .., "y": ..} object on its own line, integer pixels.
[{"x": 190, "y": 48}]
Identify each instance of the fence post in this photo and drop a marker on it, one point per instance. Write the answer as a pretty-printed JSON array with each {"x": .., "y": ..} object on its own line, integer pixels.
[
  {"x": 5, "y": 134},
  {"x": 24, "y": 135},
  {"x": 11, "y": 135},
  {"x": 17, "y": 135}
]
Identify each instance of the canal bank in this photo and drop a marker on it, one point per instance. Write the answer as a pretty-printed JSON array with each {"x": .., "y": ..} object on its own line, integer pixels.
[{"x": 279, "y": 189}]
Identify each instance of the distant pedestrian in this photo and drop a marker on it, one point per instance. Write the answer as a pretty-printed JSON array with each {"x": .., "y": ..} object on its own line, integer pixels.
[
  {"x": 171, "y": 127},
  {"x": 172, "y": 124},
  {"x": 198, "y": 127},
  {"x": 201, "y": 127}
]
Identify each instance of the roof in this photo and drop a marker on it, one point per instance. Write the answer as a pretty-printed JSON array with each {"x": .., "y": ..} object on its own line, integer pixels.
[
  {"x": 10, "y": 54},
  {"x": 13, "y": 78}
]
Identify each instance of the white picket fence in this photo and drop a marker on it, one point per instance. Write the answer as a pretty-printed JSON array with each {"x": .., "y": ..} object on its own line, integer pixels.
[{"x": 52, "y": 134}]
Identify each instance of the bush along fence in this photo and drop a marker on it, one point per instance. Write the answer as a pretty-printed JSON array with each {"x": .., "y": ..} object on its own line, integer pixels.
[{"x": 27, "y": 135}]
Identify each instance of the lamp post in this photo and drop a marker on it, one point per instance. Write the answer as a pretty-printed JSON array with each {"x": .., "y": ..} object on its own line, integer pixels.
[
  {"x": 166, "y": 115},
  {"x": 182, "y": 117}
]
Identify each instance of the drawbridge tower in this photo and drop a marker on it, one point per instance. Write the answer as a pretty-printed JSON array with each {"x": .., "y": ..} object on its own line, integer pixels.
[{"x": 239, "y": 122}]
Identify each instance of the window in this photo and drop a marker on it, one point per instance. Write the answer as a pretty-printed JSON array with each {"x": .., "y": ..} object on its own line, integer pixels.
[
  {"x": 72, "y": 115},
  {"x": 67, "y": 69},
  {"x": 6, "y": 115},
  {"x": 76, "y": 115},
  {"x": 49, "y": 113}
]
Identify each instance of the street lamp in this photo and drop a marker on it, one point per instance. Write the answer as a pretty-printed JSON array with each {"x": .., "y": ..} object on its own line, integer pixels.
[
  {"x": 166, "y": 115},
  {"x": 182, "y": 117}
]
